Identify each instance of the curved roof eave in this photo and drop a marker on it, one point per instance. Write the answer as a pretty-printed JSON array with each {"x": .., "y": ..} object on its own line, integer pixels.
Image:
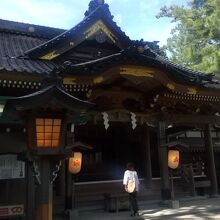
[
  {"x": 44, "y": 96},
  {"x": 149, "y": 58}
]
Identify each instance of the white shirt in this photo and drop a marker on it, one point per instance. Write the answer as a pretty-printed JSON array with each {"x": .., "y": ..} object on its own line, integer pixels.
[{"x": 131, "y": 175}]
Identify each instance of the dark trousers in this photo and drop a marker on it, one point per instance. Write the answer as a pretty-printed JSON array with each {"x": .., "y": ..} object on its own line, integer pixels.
[{"x": 133, "y": 201}]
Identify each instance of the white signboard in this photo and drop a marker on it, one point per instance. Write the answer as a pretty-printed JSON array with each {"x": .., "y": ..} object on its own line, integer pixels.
[
  {"x": 11, "y": 210},
  {"x": 11, "y": 168}
]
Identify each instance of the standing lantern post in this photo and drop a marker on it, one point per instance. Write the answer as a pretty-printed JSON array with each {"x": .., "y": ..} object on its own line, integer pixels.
[
  {"x": 46, "y": 114},
  {"x": 173, "y": 163},
  {"x": 48, "y": 140},
  {"x": 74, "y": 165}
]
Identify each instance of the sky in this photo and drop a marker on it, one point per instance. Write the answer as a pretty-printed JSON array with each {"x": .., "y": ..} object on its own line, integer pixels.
[{"x": 135, "y": 17}]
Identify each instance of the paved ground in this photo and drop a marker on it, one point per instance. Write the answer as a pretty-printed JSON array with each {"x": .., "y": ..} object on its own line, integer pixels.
[{"x": 199, "y": 209}]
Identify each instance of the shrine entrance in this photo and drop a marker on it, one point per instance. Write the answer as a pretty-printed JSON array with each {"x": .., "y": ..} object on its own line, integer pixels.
[{"x": 113, "y": 149}]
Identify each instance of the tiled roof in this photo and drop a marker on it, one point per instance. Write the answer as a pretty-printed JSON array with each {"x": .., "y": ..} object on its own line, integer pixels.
[
  {"x": 14, "y": 41},
  {"x": 29, "y": 29},
  {"x": 20, "y": 43}
]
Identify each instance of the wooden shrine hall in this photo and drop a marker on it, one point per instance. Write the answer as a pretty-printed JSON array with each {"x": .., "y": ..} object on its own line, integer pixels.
[{"x": 93, "y": 90}]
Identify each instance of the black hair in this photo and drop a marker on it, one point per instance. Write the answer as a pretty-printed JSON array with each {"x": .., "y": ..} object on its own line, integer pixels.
[{"x": 130, "y": 166}]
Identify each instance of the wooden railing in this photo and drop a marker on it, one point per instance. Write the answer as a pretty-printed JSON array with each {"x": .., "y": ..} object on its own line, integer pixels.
[{"x": 194, "y": 175}]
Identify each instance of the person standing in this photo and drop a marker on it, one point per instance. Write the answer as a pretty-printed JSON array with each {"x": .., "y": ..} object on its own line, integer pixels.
[{"x": 131, "y": 185}]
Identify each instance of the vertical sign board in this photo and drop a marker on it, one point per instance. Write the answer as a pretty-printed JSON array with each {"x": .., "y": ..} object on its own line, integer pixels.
[
  {"x": 13, "y": 210},
  {"x": 11, "y": 168}
]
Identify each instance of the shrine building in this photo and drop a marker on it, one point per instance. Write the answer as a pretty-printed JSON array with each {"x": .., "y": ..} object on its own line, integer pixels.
[{"x": 94, "y": 91}]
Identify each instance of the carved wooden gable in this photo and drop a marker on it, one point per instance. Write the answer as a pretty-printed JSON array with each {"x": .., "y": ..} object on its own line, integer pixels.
[{"x": 97, "y": 35}]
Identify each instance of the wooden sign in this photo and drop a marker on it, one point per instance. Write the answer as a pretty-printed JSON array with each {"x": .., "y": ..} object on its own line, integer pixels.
[
  {"x": 10, "y": 167},
  {"x": 12, "y": 210}
]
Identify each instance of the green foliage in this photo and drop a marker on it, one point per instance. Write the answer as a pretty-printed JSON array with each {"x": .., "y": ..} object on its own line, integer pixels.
[{"x": 195, "y": 40}]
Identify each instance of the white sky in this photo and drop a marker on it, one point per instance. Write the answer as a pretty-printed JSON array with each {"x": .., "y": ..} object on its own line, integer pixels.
[{"x": 135, "y": 17}]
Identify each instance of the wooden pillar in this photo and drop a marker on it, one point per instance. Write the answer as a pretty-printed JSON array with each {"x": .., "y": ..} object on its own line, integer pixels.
[
  {"x": 163, "y": 162},
  {"x": 69, "y": 200},
  {"x": 30, "y": 193},
  {"x": 118, "y": 146},
  {"x": 30, "y": 181},
  {"x": 211, "y": 161},
  {"x": 45, "y": 193},
  {"x": 61, "y": 183},
  {"x": 147, "y": 157}
]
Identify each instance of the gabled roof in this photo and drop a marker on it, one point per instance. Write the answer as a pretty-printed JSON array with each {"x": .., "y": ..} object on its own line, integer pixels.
[
  {"x": 139, "y": 54},
  {"x": 21, "y": 44},
  {"x": 98, "y": 21}
]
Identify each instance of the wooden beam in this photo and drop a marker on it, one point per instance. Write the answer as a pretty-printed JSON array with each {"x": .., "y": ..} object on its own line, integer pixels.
[
  {"x": 191, "y": 119},
  {"x": 147, "y": 156},
  {"x": 119, "y": 115}
]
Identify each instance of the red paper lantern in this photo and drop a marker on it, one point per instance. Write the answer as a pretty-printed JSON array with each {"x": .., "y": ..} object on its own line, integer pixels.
[
  {"x": 75, "y": 163},
  {"x": 173, "y": 159}
]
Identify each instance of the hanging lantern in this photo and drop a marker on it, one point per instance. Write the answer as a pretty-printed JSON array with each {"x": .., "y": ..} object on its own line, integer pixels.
[
  {"x": 173, "y": 159},
  {"x": 75, "y": 163}
]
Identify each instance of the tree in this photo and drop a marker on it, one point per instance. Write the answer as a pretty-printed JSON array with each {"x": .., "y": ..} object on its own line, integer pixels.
[{"x": 195, "y": 40}]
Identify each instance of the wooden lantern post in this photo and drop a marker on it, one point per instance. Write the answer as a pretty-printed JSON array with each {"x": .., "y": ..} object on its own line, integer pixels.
[
  {"x": 46, "y": 113},
  {"x": 173, "y": 163},
  {"x": 48, "y": 140},
  {"x": 74, "y": 166}
]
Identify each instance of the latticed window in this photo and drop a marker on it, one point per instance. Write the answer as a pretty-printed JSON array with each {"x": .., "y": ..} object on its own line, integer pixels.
[{"x": 48, "y": 132}]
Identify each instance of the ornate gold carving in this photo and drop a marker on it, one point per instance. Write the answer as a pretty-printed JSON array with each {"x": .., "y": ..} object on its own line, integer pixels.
[
  {"x": 115, "y": 96},
  {"x": 170, "y": 86},
  {"x": 50, "y": 55},
  {"x": 99, "y": 25},
  {"x": 98, "y": 79},
  {"x": 192, "y": 91},
  {"x": 144, "y": 72},
  {"x": 69, "y": 81}
]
